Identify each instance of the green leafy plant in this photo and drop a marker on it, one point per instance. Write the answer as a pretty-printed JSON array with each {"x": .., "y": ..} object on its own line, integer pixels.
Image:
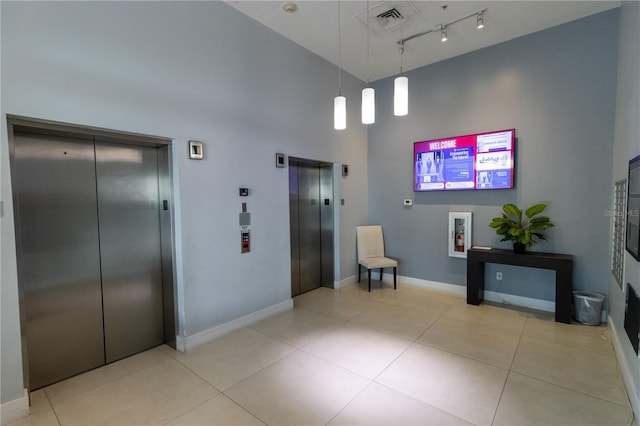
[{"x": 527, "y": 230}]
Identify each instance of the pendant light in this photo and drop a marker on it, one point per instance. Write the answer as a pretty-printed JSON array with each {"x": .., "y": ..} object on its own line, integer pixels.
[
  {"x": 339, "y": 102},
  {"x": 401, "y": 83},
  {"x": 401, "y": 91},
  {"x": 368, "y": 93}
]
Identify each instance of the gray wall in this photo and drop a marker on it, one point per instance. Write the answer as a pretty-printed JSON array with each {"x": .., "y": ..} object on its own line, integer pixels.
[
  {"x": 626, "y": 147},
  {"x": 557, "y": 89},
  {"x": 186, "y": 70}
]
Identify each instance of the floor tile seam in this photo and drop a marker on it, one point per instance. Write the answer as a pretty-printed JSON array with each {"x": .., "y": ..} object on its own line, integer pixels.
[
  {"x": 342, "y": 367},
  {"x": 199, "y": 376},
  {"x": 491, "y": 327},
  {"x": 513, "y": 358},
  {"x": 451, "y": 351},
  {"x": 53, "y": 410},
  {"x": 272, "y": 337},
  {"x": 66, "y": 400},
  {"x": 610, "y": 354},
  {"x": 569, "y": 389},
  {"x": 421, "y": 401},
  {"x": 433, "y": 323},
  {"x": 192, "y": 408},
  {"x": 350, "y": 401},
  {"x": 324, "y": 314},
  {"x": 392, "y": 362},
  {"x": 462, "y": 356},
  {"x": 377, "y": 330},
  {"x": 504, "y": 386},
  {"x": 243, "y": 407},
  {"x": 108, "y": 382}
]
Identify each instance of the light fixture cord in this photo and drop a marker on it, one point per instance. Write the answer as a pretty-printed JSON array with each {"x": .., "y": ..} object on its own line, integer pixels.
[
  {"x": 339, "y": 55},
  {"x": 402, "y": 43},
  {"x": 368, "y": 60}
]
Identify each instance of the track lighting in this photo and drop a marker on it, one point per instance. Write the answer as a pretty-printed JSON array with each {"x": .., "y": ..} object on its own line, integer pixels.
[
  {"x": 480, "y": 21},
  {"x": 443, "y": 27},
  {"x": 443, "y": 34}
]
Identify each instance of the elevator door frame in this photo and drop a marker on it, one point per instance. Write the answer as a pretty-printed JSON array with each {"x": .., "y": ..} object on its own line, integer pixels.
[
  {"x": 327, "y": 222},
  {"x": 163, "y": 145}
]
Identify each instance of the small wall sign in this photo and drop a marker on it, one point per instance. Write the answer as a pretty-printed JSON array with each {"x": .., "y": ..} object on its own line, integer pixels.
[{"x": 196, "y": 150}]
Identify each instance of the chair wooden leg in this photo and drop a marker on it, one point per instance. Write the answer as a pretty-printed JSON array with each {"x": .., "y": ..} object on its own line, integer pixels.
[
  {"x": 358, "y": 272},
  {"x": 381, "y": 275},
  {"x": 394, "y": 277},
  {"x": 369, "y": 273}
]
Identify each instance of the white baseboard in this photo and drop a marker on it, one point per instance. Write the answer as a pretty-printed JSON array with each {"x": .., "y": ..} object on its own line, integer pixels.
[
  {"x": 627, "y": 378},
  {"x": 346, "y": 281},
  {"x": 16, "y": 409},
  {"x": 492, "y": 296},
  {"x": 525, "y": 302},
  {"x": 187, "y": 343}
]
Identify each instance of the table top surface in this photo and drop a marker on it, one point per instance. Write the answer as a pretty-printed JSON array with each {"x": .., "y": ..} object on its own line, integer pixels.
[{"x": 509, "y": 253}]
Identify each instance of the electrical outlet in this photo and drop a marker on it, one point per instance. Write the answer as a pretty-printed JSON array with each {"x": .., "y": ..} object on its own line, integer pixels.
[{"x": 499, "y": 276}]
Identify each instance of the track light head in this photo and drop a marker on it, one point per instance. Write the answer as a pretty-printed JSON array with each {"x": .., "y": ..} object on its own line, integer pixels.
[
  {"x": 480, "y": 20},
  {"x": 443, "y": 34}
]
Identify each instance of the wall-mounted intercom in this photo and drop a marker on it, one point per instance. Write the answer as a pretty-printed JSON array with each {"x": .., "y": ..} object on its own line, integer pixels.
[
  {"x": 345, "y": 170},
  {"x": 280, "y": 160}
]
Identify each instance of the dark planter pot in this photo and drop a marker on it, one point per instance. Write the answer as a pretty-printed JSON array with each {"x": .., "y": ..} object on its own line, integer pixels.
[{"x": 519, "y": 248}]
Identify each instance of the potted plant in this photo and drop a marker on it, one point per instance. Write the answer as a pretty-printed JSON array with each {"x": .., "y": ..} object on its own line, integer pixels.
[{"x": 521, "y": 231}]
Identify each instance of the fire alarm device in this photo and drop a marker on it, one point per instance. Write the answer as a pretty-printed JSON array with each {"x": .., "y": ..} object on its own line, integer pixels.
[
  {"x": 196, "y": 150},
  {"x": 244, "y": 241}
]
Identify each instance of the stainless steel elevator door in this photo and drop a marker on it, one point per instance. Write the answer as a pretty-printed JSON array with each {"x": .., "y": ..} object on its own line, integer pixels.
[
  {"x": 294, "y": 229},
  {"x": 58, "y": 255},
  {"x": 129, "y": 220},
  {"x": 311, "y": 226},
  {"x": 89, "y": 252}
]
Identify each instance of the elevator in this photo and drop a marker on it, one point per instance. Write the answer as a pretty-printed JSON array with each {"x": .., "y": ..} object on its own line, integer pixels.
[
  {"x": 93, "y": 243},
  {"x": 311, "y": 225}
]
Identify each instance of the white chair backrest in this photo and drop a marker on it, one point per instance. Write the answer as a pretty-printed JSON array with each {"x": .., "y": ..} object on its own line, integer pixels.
[{"x": 370, "y": 241}]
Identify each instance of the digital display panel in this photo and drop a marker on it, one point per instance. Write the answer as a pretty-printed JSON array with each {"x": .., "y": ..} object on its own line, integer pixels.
[{"x": 478, "y": 161}]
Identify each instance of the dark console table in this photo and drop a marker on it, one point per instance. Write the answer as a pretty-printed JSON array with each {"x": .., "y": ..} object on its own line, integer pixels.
[{"x": 561, "y": 263}]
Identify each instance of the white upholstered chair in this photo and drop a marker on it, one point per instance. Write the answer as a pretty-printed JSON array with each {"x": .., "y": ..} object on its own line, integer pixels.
[{"x": 371, "y": 252}]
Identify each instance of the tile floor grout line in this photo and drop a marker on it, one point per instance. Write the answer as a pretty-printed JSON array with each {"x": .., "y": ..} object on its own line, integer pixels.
[
  {"x": 169, "y": 358},
  {"x": 245, "y": 408},
  {"x": 569, "y": 389},
  {"x": 513, "y": 358},
  {"x": 504, "y": 386},
  {"x": 52, "y": 407},
  {"x": 349, "y": 402},
  {"x": 192, "y": 408}
]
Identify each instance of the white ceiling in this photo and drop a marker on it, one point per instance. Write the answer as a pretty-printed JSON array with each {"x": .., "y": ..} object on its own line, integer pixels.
[{"x": 315, "y": 26}]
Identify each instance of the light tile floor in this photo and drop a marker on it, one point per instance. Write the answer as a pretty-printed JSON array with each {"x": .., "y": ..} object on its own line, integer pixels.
[{"x": 350, "y": 357}]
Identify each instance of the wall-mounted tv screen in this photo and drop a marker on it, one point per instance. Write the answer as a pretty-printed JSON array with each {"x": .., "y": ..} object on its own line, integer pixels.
[{"x": 478, "y": 161}]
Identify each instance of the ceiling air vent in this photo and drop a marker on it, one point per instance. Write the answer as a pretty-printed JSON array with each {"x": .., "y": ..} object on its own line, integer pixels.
[{"x": 390, "y": 18}]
